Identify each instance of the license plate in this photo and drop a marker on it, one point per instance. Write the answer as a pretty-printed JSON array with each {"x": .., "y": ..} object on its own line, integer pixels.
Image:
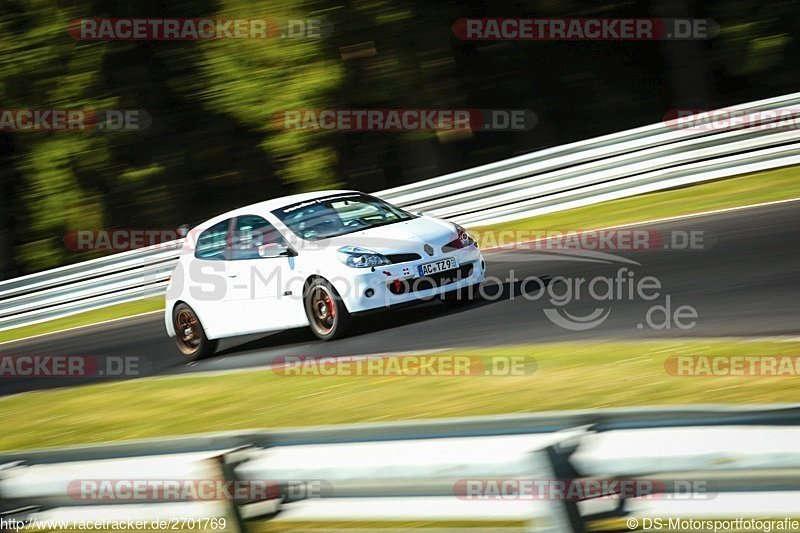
[{"x": 448, "y": 263}]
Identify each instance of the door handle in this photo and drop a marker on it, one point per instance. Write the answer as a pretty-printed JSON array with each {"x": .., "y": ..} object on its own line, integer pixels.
[{"x": 232, "y": 274}]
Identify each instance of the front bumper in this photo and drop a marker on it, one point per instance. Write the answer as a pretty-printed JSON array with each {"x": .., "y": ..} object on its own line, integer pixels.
[{"x": 400, "y": 283}]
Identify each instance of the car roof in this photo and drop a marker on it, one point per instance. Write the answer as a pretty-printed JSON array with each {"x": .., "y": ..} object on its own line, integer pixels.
[{"x": 272, "y": 204}]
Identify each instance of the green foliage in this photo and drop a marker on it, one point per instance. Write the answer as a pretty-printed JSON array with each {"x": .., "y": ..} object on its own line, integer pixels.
[
  {"x": 214, "y": 144},
  {"x": 253, "y": 80},
  {"x": 40, "y": 67}
]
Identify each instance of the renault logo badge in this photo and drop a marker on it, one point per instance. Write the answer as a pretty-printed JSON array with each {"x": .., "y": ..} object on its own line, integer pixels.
[{"x": 428, "y": 249}]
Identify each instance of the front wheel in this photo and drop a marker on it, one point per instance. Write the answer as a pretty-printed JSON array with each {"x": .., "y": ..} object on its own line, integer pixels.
[
  {"x": 190, "y": 335},
  {"x": 327, "y": 315}
]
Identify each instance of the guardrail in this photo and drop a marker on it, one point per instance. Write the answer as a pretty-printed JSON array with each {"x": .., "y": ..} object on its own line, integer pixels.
[
  {"x": 651, "y": 158},
  {"x": 695, "y": 462}
]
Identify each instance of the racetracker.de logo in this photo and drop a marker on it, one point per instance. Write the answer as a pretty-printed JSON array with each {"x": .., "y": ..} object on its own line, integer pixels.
[
  {"x": 195, "y": 29},
  {"x": 721, "y": 366},
  {"x": 71, "y": 366},
  {"x": 131, "y": 490},
  {"x": 33, "y": 120},
  {"x": 725, "y": 119},
  {"x": 584, "y": 29},
  {"x": 605, "y": 240},
  {"x": 404, "y": 366},
  {"x": 405, "y": 119},
  {"x": 117, "y": 239},
  {"x": 511, "y": 489}
]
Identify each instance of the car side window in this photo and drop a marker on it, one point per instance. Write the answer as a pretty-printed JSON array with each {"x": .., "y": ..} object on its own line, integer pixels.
[
  {"x": 250, "y": 233},
  {"x": 212, "y": 243}
]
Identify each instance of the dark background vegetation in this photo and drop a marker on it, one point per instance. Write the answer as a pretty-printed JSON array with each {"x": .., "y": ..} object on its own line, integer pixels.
[{"x": 211, "y": 146}]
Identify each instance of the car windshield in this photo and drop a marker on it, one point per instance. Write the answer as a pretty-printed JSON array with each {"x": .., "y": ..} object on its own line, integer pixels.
[{"x": 331, "y": 216}]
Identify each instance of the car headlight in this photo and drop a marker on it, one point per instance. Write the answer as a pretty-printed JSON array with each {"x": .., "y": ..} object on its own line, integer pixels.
[
  {"x": 463, "y": 240},
  {"x": 357, "y": 257},
  {"x": 464, "y": 236}
]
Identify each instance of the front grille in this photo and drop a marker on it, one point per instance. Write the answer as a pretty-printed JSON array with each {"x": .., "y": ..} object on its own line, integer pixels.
[
  {"x": 431, "y": 281},
  {"x": 403, "y": 258}
]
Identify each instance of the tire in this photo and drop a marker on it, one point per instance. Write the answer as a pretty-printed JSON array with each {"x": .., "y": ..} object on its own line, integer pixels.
[
  {"x": 327, "y": 315},
  {"x": 190, "y": 337}
]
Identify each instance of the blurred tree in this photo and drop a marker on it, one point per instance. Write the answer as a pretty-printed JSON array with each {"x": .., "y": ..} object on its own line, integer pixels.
[
  {"x": 41, "y": 68},
  {"x": 213, "y": 144},
  {"x": 254, "y": 80}
]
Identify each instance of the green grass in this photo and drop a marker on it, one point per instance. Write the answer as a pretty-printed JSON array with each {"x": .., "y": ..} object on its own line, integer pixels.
[
  {"x": 155, "y": 303},
  {"x": 759, "y": 187},
  {"x": 779, "y": 184},
  {"x": 569, "y": 376}
]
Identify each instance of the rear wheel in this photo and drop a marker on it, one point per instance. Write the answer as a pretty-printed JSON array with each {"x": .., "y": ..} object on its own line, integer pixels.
[
  {"x": 327, "y": 315},
  {"x": 190, "y": 335}
]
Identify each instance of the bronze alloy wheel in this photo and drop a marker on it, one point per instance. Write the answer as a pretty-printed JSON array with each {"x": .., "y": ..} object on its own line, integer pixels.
[
  {"x": 187, "y": 326},
  {"x": 189, "y": 334},
  {"x": 325, "y": 310}
]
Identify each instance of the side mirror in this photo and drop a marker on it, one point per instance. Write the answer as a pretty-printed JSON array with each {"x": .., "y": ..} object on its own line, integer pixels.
[
  {"x": 276, "y": 250},
  {"x": 183, "y": 230}
]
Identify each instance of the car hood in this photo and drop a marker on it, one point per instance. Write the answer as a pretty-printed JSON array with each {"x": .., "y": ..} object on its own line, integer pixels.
[{"x": 401, "y": 237}]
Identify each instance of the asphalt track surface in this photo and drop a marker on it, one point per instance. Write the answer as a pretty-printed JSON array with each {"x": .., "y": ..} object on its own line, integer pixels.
[{"x": 743, "y": 283}]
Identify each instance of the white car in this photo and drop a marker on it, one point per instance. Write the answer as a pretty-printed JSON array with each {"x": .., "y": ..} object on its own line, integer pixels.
[{"x": 313, "y": 259}]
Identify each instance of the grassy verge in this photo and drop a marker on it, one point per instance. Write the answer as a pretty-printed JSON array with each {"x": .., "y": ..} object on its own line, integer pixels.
[
  {"x": 756, "y": 188},
  {"x": 567, "y": 376},
  {"x": 155, "y": 303}
]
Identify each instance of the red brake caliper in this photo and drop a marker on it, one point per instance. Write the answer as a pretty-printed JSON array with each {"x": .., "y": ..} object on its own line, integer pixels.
[{"x": 331, "y": 308}]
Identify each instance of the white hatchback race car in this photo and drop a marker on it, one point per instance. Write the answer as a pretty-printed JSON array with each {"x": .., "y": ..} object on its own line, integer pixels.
[{"x": 313, "y": 259}]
